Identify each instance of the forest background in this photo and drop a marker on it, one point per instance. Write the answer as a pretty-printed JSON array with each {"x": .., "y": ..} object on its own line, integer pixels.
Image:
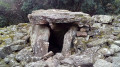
[{"x": 16, "y": 11}]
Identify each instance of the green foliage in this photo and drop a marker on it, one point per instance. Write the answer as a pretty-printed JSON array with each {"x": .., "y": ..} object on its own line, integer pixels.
[
  {"x": 117, "y": 6},
  {"x": 88, "y": 6},
  {"x": 3, "y": 21},
  {"x": 100, "y": 9},
  {"x": 30, "y": 5},
  {"x": 27, "y": 6},
  {"x": 6, "y": 5},
  {"x": 17, "y": 10}
]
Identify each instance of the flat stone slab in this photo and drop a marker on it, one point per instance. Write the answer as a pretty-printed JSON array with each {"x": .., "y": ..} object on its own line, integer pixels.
[{"x": 56, "y": 16}]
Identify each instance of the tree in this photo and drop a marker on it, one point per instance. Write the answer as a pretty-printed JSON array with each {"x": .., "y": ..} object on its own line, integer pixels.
[
  {"x": 88, "y": 6},
  {"x": 116, "y": 7}
]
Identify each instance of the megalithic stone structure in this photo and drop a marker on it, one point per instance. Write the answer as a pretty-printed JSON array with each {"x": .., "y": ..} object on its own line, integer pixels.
[{"x": 43, "y": 21}]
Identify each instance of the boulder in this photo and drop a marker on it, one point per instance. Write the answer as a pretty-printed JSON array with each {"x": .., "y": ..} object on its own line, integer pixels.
[
  {"x": 80, "y": 60},
  {"x": 59, "y": 56},
  {"x": 24, "y": 55},
  {"x": 93, "y": 53},
  {"x": 5, "y": 51},
  {"x": 66, "y": 66},
  {"x": 109, "y": 51},
  {"x": 18, "y": 42},
  {"x": 67, "y": 61},
  {"x": 16, "y": 47},
  {"x": 9, "y": 58},
  {"x": 97, "y": 25},
  {"x": 52, "y": 62},
  {"x": 117, "y": 42},
  {"x": 114, "y": 48},
  {"x": 102, "y": 63},
  {"x": 103, "y": 18},
  {"x": 97, "y": 42},
  {"x": 18, "y": 36},
  {"x": 116, "y": 61},
  {"x": 37, "y": 64},
  {"x": 105, "y": 51}
]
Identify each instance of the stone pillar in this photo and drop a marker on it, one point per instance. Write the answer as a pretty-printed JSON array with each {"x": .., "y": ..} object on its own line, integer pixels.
[
  {"x": 68, "y": 38},
  {"x": 39, "y": 39}
]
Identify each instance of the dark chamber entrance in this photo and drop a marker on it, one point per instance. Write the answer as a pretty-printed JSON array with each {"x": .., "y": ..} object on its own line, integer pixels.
[{"x": 57, "y": 33}]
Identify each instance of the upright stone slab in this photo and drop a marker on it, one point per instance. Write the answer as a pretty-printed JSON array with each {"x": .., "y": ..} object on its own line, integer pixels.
[
  {"x": 39, "y": 39},
  {"x": 68, "y": 38}
]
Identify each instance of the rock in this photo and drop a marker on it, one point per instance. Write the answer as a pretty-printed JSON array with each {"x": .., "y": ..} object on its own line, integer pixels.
[
  {"x": 57, "y": 16},
  {"x": 68, "y": 37},
  {"x": 24, "y": 55},
  {"x": 13, "y": 28},
  {"x": 10, "y": 60},
  {"x": 94, "y": 32},
  {"x": 117, "y": 19},
  {"x": 16, "y": 47},
  {"x": 109, "y": 51},
  {"x": 19, "y": 66},
  {"x": 67, "y": 61},
  {"x": 109, "y": 59},
  {"x": 5, "y": 39},
  {"x": 114, "y": 48},
  {"x": 52, "y": 62},
  {"x": 116, "y": 24},
  {"x": 34, "y": 59},
  {"x": 59, "y": 56},
  {"x": 117, "y": 42},
  {"x": 102, "y": 18},
  {"x": 83, "y": 30},
  {"x": 93, "y": 53},
  {"x": 106, "y": 51},
  {"x": 8, "y": 41},
  {"x": 7, "y": 60},
  {"x": 18, "y": 36},
  {"x": 102, "y": 63},
  {"x": 81, "y": 34},
  {"x": 66, "y": 66},
  {"x": 79, "y": 44},
  {"x": 118, "y": 54},
  {"x": 3, "y": 64},
  {"x": 26, "y": 38},
  {"x": 41, "y": 48},
  {"x": 37, "y": 64},
  {"x": 97, "y": 42},
  {"x": 48, "y": 55},
  {"x": 11, "y": 56},
  {"x": 116, "y": 30},
  {"x": 13, "y": 63},
  {"x": 81, "y": 60},
  {"x": 5, "y": 51},
  {"x": 39, "y": 39},
  {"x": 19, "y": 42},
  {"x": 116, "y": 61},
  {"x": 97, "y": 25}
]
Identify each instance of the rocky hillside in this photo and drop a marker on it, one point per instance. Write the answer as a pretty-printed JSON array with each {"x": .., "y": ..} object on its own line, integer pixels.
[
  {"x": 13, "y": 39},
  {"x": 96, "y": 44}
]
